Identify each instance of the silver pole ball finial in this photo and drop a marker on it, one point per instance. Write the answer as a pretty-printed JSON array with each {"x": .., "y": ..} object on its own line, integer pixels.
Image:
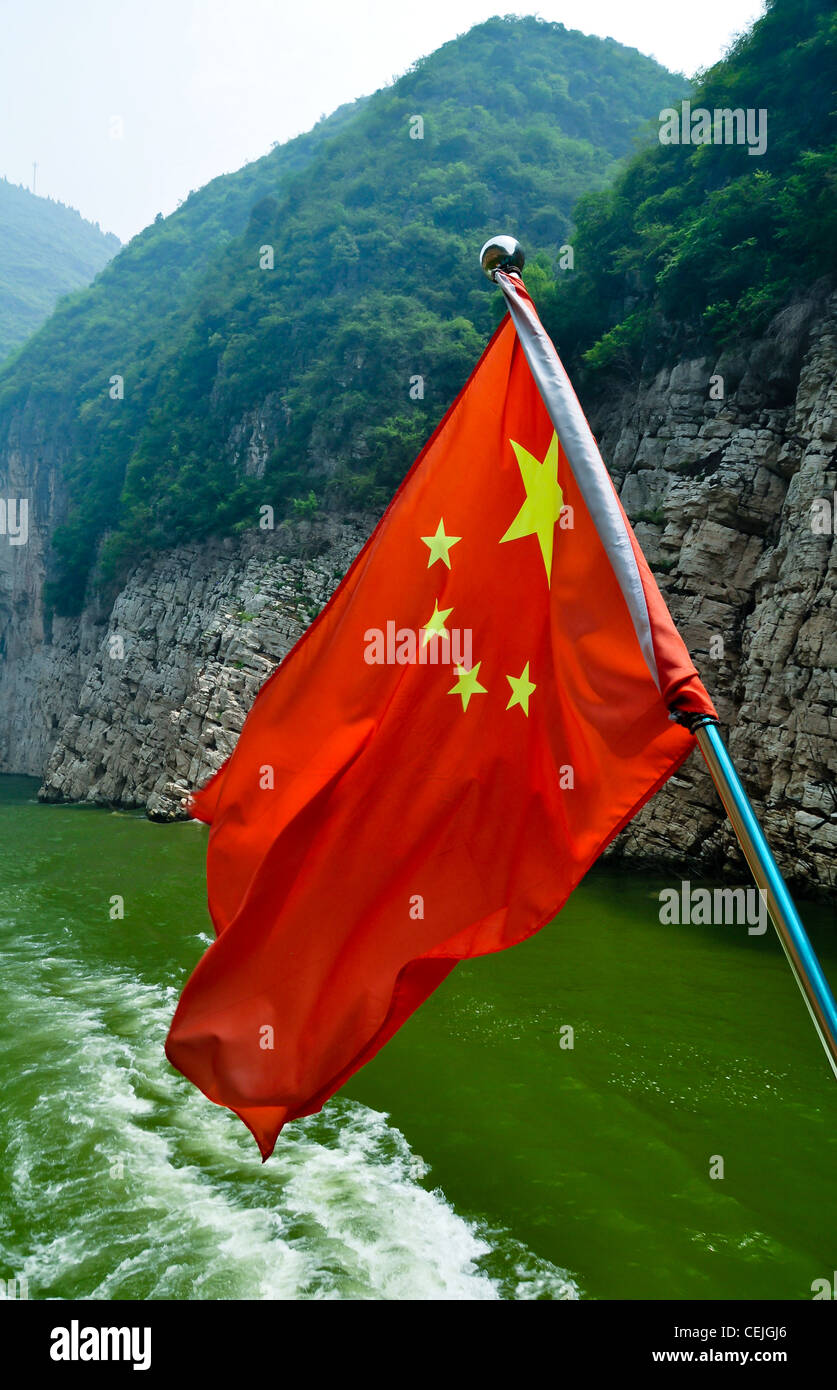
[{"x": 501, "y": 253}]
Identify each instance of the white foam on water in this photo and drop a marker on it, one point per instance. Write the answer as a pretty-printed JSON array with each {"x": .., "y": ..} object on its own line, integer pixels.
[{"x": 126, "y": 1183}]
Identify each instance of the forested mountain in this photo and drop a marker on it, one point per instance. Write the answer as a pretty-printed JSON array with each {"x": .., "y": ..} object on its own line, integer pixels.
[
  {"x": 46, "y": 250},
  {"x": 699, "y": 245},
  {"x": 289, "y": 385},
  {"x": 246, "y": 384}
]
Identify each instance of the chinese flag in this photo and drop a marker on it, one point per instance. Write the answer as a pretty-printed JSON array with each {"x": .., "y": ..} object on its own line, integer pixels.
[{"x": 480, "y": 708}]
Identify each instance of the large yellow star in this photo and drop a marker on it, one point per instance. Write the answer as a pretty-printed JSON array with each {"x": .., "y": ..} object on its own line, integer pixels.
[
  {"x": 467, "y": 684},
  {"x": 522, "y": 688},
  {"x": 440, "y": 545},
  {"x": 544, "y": 500},
  {"x": 436, "y": 625}
]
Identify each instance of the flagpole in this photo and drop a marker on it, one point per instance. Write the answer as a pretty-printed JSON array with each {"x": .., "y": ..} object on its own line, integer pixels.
[
  {"x": 797, "y": 947},
  {"x": 504, "y": 254}
]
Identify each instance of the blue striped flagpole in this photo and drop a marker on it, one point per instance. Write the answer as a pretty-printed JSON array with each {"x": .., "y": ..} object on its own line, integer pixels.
[
  {"x": 503, "y": 254},
  {"x": 800, "y": 953}
]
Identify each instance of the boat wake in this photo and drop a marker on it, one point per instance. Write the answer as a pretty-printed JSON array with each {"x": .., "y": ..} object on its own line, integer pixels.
[{"x": 123, "y": 1182}]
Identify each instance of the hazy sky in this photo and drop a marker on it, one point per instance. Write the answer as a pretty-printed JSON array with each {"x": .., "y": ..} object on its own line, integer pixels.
[{"x": 202, "y": 86}]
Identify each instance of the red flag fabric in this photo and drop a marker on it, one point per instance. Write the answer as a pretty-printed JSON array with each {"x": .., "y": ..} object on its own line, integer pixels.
[{"x": 479, "y": 709}]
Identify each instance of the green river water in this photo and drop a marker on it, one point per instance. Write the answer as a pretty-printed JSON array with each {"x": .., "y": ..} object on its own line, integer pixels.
[{"x": 475, "y": 1158}]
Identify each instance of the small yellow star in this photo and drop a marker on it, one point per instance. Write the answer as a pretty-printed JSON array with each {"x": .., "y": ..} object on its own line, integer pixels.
[
  {"x": 544, "y": 500},
  {"x": 467, "y": 684},
  {"x": 522, "y": 688},
  {"x": 436, "y": 626},
  {"x": 439, "y": 545}
]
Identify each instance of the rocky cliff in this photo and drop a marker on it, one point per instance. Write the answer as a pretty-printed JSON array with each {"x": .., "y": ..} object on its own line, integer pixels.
[
  {"x": 718, "y": 463},
  {"x": 147, "y": 698},
  {"x": 721, "y": 493}
]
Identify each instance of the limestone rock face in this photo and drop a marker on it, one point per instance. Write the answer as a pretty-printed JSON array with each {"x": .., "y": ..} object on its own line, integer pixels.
[
  {"x": 718, "y": 464},
  {"x": 721, "y": 494},
  {"x": 181, "y": 657}
]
